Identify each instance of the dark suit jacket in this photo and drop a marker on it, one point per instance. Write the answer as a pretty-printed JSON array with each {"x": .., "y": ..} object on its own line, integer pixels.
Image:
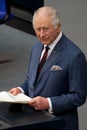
[{"x": 65, "y": 84}]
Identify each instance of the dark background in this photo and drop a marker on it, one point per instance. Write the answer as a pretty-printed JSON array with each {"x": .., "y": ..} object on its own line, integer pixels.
[{"x": 29, "y": 5}]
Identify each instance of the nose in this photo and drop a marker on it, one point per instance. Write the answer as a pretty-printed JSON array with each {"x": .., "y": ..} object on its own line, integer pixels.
[{"x": 42, "y": 33}]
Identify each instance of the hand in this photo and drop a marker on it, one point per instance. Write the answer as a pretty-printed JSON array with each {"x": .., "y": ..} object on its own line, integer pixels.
[
  {"x": 39, "y": 103},
  {"x": 15, "y": 91}
]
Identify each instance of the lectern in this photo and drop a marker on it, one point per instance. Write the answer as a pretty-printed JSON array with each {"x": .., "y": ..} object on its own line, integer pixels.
[{"x": 19, "y": 116}]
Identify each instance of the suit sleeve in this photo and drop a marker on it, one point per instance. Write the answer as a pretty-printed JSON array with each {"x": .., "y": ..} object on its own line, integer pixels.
[{"x": 77, "y": 87}]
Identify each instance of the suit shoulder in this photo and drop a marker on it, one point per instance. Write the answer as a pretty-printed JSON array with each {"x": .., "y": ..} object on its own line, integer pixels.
[{"x": 71, "y": 47}]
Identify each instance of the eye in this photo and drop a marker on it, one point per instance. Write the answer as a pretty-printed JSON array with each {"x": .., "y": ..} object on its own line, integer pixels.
[
  {"x": 45, "y": 28},
  {"x": 38, "y": 29}
]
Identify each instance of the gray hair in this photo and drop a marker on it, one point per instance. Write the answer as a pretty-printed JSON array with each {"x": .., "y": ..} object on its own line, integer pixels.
[{"x": 49, "y": 11}]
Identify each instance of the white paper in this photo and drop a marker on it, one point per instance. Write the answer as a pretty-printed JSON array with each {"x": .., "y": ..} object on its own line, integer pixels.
[{"x": 19, "y": 98}]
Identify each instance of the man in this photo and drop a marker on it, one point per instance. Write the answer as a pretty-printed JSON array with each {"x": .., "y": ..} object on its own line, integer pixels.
[{"x": 60, "y": 86}]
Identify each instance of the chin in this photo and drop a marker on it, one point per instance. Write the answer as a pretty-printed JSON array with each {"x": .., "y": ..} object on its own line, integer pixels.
[{"x": 45, "y": 43}]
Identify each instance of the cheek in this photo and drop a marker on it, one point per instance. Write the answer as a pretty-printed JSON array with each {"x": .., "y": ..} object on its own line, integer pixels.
[
  {"x": 52, "y": 36},
  {"x": 37, "y": 35}
]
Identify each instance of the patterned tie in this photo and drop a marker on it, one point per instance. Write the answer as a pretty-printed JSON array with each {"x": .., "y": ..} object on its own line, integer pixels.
[{"x": 43, "y": 60}]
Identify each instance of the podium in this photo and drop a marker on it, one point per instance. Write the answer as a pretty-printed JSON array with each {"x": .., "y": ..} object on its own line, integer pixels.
[{"x": 19, "y": 116}]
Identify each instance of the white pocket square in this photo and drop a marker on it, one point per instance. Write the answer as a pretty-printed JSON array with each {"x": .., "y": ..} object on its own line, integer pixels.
[{"x": 56, "y": 68}]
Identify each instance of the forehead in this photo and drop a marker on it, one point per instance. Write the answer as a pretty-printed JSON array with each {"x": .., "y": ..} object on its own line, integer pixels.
[{"x": 42, "y": 21}]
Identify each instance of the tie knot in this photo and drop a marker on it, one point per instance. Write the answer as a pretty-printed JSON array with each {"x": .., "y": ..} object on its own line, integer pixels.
[{"x": 46, "y": 48}]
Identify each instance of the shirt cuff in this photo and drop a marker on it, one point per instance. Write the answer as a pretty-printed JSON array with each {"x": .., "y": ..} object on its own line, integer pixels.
[
  {"x": 50, "y": 105},
  {"x": 22, "y": 91}
]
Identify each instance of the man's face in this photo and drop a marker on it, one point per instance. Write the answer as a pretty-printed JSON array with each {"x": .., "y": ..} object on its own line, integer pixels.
[{"x": 45, "y": 31}]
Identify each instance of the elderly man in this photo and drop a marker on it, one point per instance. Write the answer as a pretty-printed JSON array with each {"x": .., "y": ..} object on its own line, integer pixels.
[{"x": 56, "y": 80}]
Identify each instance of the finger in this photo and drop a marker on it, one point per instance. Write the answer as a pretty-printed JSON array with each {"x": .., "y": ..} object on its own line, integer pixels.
[{"x": 32, "y": 102}]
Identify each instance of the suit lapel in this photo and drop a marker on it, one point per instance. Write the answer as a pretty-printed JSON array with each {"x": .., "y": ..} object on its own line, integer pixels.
[
  {"x": 56, "y": 54},
  {"x": 34, "y": 63}
]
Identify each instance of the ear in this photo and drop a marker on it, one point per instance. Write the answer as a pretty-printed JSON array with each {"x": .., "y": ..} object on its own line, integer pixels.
[{"x": 58, "y": 27}]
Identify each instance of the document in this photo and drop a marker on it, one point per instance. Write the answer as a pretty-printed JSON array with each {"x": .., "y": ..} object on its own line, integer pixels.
[{"x": 19, "y": 98}]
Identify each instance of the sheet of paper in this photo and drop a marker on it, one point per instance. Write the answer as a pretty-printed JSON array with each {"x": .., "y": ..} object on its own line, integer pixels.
[{"x": 19, "y": 98}]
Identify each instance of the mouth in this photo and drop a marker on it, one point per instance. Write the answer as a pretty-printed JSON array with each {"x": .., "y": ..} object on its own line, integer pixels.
[{"x": 44, "y": 39}]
